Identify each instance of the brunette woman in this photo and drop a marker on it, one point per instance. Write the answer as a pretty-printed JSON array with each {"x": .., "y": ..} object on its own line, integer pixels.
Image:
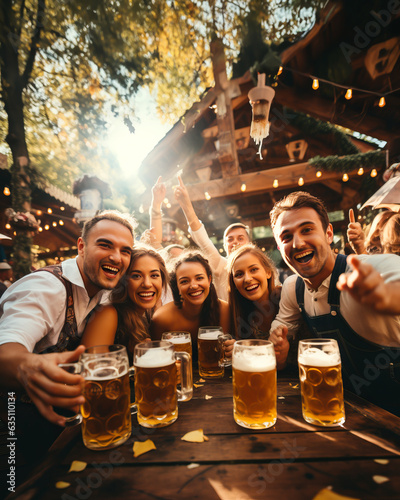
[
  {"x": 195, "y": 300},
  {"x": 126, "y": 320}
]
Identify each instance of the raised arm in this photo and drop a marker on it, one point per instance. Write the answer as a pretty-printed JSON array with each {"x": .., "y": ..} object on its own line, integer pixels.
[
  {"x": 158, "y": 195},
  {"x": 355, "y": 234},
  {"x": 182, "y": 197},
  {"x": 366, "y": 285}
]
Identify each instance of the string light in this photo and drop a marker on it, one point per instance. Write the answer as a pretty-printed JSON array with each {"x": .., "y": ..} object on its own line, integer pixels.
[
  {"x": 275, "y": 184},
  {"x": 61, "y": 222},
  {"x": 360, "y": 171},
  {"x": 40, "y": 229},
  {"x": 374, "y": 173},
  {"x": 54, "y": 224},
  {"x": 47, "y": 227},
  {"x": 165, "y": 201},
  {"x": 279, "y": 71},
  {"x": 39, "y": 212},
  {"x": 207, "y": 196},
  {"x": 301, "y": 181},
  {"x": 8, "y": 226},
  {"x": 62, "y": 209},
  {"x": 319, "y": 173},
  {"x": 349, "y": 91},
  {"x": 243, "y": 187},
  {"x": 49, "y": 211},
  {"x": 345, "y": 178},
  {"x": 6, "y": 191}
]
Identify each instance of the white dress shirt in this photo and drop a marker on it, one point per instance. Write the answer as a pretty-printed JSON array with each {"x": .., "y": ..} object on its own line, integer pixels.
[{"x": 32, "y": 310}]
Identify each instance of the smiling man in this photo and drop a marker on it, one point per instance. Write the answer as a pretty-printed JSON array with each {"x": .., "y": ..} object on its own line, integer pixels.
[
  {"x": 353, "y": 300},
  {"x": 44, "y": 314}
]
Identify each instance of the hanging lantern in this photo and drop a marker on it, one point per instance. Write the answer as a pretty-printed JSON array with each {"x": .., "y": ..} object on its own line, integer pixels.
[{"x": 260, "y": 99}]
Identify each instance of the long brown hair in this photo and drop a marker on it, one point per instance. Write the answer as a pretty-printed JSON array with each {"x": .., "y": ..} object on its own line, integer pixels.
[
  {"x": 244, "y": 312},
  {"x": 132, "y": 326},
  {"x": 210, "y": 310}
]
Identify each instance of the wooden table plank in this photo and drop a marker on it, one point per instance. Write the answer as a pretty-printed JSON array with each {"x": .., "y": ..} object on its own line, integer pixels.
[{"x": 294, "y": 481}]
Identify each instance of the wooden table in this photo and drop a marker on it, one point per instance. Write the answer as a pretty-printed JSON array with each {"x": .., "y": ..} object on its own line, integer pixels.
[{"x": 292, "y": 460}]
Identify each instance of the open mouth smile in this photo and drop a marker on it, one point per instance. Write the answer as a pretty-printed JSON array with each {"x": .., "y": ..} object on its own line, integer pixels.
[
  {"x": 110, "y": 270},
  {"x": 304, "y": 257},
  {"x": 251, "y": 288},
  {"x": 195, "y": 294}
]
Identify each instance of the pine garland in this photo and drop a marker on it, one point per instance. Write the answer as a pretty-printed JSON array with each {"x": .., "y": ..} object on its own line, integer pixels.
[{"x": 335, "y": 163}]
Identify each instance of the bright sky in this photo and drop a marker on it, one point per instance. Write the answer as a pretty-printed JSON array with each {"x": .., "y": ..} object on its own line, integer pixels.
[{"x": 131, "y": 149}]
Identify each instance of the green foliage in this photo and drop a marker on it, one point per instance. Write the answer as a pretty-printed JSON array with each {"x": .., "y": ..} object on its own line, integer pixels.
[{"x": 370, "y": 159}]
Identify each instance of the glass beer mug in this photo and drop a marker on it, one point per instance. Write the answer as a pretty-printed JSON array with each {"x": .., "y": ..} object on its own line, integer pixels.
[
  {"x": 321, "y": 382},
  {"x": 254, "y": 383},
  {"x": 211, "y": 352},
  {"x": 182, "y": 342},
  {"x": 156, "y": 392},
  {"x": 106, "y": 413}
]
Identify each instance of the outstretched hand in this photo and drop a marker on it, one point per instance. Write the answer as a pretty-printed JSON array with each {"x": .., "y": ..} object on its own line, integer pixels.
[
  {"x": 49, "y": 385},
  {"x": 366, "y": 285},
  {"x": 181, "y": 194}
]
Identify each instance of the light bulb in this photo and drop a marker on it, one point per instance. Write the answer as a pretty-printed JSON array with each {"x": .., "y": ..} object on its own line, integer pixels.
[
  {"x": 61, "y": 222},
  {"x": 360, "y": 171},
  {"x": 374, "y": 173},
  {"x": 47, "y": 227},
  {"x": 207, "y": 196},
  {"x": 275, "y": 184},
  {"x": 280, "y": 70},
  {"x": 345, "y": 178},
  {"x": 8, "y": 226},
  {"x": 349, "y": 94},
  {"x": 315, "y": 84},
  {"x": 319, "y": 173},
  {"x": 301, "y": 181},
  {"x": 6, "y": 191},
  {"x": 49, "y": 211},
  {"x": 54, "y": 224},
  {"x": 243, "y": 187},
  {"x": 40, "y": 229},
  {"x": 382, "y": 102}
]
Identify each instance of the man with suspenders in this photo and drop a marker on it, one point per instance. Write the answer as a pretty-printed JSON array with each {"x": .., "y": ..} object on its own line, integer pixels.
[{"x": 355, "y": 300}]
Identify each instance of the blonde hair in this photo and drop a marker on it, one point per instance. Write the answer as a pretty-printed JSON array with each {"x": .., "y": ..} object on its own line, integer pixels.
[{"x": 390, "y": 235}]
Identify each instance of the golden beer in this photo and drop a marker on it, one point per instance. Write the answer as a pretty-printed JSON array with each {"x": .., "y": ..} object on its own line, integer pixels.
[
  {"x": 106, "y": 416},
  {"x": 254, "y": 384},
  {"x": 211, "y": 355},
  {"x": 321, "y": 387},
  {"x": 182, "y": 342},
  {"x": 155, "y": 388}
]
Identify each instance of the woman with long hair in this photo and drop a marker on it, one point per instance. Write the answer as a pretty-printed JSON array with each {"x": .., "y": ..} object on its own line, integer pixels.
[
  {"x": 126, "y": 320},
  {"x": 254, "y": 292},
  {"x": 195, "y": 300}
]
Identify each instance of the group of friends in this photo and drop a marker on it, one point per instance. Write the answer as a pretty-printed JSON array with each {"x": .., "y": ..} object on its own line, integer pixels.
[{"x": 119, "y": 291}]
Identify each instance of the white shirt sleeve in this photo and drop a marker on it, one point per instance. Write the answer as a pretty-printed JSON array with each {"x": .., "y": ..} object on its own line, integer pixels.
[
  {"x": 202, "y": 239},
  {"x": 32, "y": 308},
  {"x": 289, "y": 314}
]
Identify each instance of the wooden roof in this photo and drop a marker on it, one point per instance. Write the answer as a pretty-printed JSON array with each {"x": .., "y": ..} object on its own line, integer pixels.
[{"x": 202, "y": 143}]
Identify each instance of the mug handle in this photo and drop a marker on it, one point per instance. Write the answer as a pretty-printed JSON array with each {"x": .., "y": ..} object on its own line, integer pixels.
[
  {"x": 222, "y": 337},
  {"x": 186, "y": 390},
  {"x": 75, "y": 369},
  {"x": 131, "y": 373}
]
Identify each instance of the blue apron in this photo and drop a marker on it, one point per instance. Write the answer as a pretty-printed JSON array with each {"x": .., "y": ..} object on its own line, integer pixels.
[{"x": 369, "y": 370}]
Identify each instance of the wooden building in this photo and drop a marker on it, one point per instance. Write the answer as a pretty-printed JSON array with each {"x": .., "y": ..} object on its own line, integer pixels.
[{"x": 211, "y": 145}]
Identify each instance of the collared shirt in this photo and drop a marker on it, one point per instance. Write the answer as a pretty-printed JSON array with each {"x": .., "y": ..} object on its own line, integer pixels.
[
  {"x": 32, "y": 310},
  {"x": 217, "y": 262},
  {"x": 383, "y": 329}
]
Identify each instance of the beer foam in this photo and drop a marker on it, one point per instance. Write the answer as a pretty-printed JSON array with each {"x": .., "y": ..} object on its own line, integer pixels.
[
  {"x": 210, "y": 335},
  {"x": 178, "y": 340},
  {"x": 104, "y": 373},
  {"x": 250, "y": 361},
  {"x": 154, "y": 358},
  {"x": 317, "y": 357}
]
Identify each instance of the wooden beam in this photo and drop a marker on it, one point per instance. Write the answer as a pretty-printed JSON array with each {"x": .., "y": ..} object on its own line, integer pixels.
[{"x": 258, "y": 182}]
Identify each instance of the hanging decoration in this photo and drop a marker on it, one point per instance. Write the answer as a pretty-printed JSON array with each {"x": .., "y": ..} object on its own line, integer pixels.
[
  {"x": 260, "y": 99},
  {"x": 334, "y": 163}
]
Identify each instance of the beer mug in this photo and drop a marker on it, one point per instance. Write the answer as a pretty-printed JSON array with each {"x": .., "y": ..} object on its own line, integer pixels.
[
  {"x": 106, "y": 412},
  {"x": 156, "y": 392},
  {"x": 321, "y": 382},
  {"x": 211, "y": 353},
  {"x": 254, "y": 383},
  {"x": 182, "y": 342}
]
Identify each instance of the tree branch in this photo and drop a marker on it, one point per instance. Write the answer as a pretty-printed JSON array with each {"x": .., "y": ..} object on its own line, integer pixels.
[
  {"x": 21, "y": 16},
  {"x": 34, "y": 43}
]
